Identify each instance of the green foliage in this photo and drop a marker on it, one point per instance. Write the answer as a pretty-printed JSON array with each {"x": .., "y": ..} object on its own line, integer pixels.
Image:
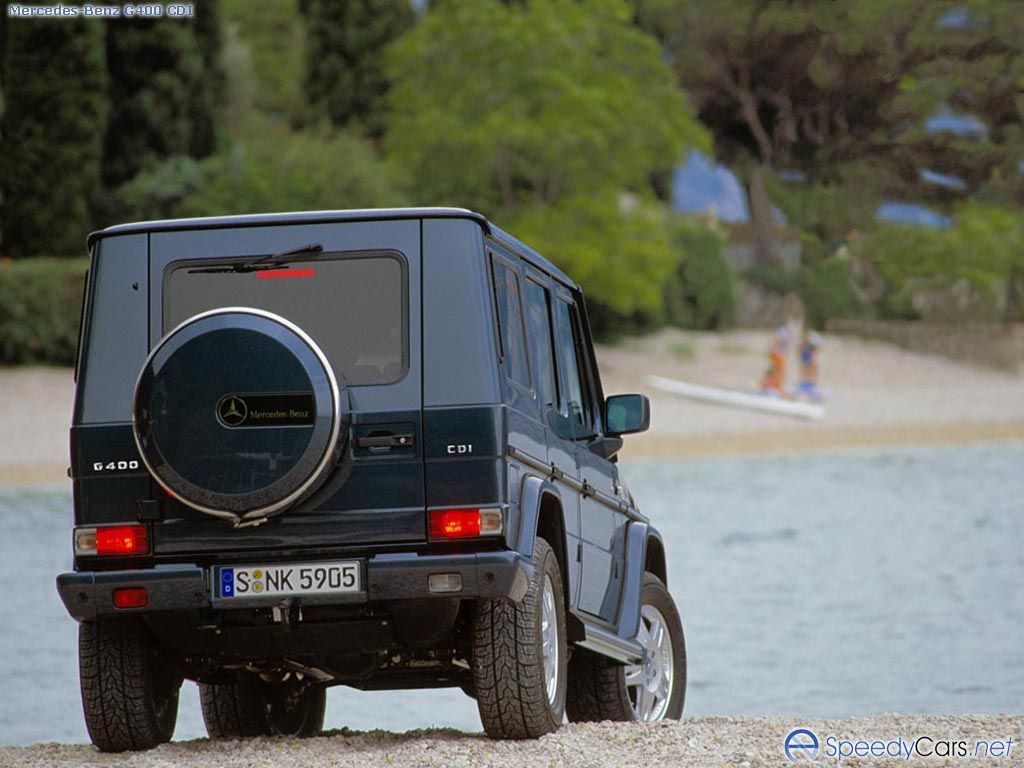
[
  {"x": 162, "y": 95},
  {"x": 207, "y": 100},
  {"x": 828, "y": 212},
  {"x": 275, "y": 37},
  {"x": 620, "y": 254},
  {"x": 503, "y": 106},
  {"x": 159, "y": 192},
  {"x": 40, "y": 308},
  {"x": 52, "y": 129},
  {"x": 700, "y": 294},
  {"x": 344, "y": 75},
  {"x": 844, "y": 91},
  {"x": 828, "y": 291},
  {"x": 983, "y": 250},
  {"x": 773, "y": 279},
  {"x": 269, "y": 170}
]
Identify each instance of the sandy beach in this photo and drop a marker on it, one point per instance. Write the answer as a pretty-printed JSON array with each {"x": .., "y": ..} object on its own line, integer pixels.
[
  {"x": 745, "y": 742},
  {"x": 880, "y": 395}
]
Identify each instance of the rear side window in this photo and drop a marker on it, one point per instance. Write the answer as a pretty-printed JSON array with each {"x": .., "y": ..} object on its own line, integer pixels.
[
  {"x": 538, "y": 320},
  {"x": 573, "y": 403},
  {"x": 510, "y": 319},
  {"x": 354, "y": 307}
]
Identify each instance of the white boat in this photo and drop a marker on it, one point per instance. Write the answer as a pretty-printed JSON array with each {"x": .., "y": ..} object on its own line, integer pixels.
[{"x": 736, "y": 399}]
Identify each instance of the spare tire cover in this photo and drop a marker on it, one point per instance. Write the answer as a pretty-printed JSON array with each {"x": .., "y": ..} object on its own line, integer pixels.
[{"x": 237, "y": 413}]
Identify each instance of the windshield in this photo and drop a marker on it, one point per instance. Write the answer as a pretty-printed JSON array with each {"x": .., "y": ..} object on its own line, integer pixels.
[{"x": 353, "y": 306}]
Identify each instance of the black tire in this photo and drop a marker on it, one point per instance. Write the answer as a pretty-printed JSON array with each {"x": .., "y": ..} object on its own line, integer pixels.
[
  {"x": 508, "y": 663},
  {"x": 129, "y": 685},
  {"x": 597, "y": 685},
  {"x": 249, "y": 707}
]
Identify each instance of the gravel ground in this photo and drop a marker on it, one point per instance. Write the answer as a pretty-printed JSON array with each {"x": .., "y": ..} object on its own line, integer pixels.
[{"x": 746, "y": 742}]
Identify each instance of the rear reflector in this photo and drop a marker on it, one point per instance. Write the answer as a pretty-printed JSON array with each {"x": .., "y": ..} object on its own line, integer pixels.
[
  {"x": 122, "y": 540},
  {"x": 131, "y": 597},
  {"x": 445, "y": 582},
  {"x": 464, "y": 523}
]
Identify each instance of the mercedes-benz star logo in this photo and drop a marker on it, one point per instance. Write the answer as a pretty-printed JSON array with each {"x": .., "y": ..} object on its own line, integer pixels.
[{"x": 232, "y": 410}]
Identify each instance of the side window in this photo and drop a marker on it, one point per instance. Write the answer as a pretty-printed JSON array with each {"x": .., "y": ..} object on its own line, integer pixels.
[
  {"x": 573, "y": 405},
  {"x": 538, "y": 321},
  {"x": 510, "y": 320}
]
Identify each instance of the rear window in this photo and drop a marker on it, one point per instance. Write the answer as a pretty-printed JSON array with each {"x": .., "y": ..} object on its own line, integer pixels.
[{"x": 353, "y": 306}]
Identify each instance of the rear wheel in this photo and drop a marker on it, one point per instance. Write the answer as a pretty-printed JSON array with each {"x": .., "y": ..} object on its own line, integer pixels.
[
  {"x": 248, "y": 706},
  {"x": 519, "y": 656},
  {"x": 652, "y": 690},
  {"x": 129, "y": 684}
]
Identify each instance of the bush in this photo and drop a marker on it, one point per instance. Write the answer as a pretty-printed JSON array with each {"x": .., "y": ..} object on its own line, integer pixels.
[
  {"x": 828, "y": 291},
  {"x": 700, "y": 294},
  {"x": 956, "y": 273},
  {"x": 40, "y": 309}
]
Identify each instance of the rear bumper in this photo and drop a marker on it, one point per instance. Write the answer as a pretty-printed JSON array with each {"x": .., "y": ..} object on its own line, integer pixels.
[{"x": 397, "y": 576}]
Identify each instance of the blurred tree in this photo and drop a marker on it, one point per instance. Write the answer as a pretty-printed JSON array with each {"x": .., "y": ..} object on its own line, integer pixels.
[
  {"x": 270, "y": 36},
  {"x": 848, "y": 93},
  {"x": 499, "y": 106},
  {"x": 345, "y": 79},
  {"x": 546, "y": 113},
  {"x": 701, "y": 294},
  {"x": 207, "y": 100},
  {"x": 163, "y": 97},
  {"x": 967, "y": 270},
  {"x": 52, "y": 129},
  {"x": 267, "y": 169},
  {"x": 621, "y": 255}
]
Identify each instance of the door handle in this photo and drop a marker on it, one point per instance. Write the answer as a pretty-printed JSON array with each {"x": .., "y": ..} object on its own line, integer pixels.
[{"x": 384, "y": 442}]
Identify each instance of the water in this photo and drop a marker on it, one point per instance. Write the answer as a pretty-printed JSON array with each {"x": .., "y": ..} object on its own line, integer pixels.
[{"x": 848, "y": 583}]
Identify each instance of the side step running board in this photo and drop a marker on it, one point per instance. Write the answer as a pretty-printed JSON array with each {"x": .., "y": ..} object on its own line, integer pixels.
[{"x": 609, "y": 644}]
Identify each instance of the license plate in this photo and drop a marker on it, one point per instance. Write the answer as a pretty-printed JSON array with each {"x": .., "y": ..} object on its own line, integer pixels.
[{"x": 300, "y": 579}]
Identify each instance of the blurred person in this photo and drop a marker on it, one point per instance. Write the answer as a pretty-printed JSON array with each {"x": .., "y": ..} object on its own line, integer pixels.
[
  {"x": 810, "y": 347},
  {"x": 774, "y": 380}
]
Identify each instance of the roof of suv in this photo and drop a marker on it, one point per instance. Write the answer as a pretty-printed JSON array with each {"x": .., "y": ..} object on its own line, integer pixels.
[{"x": 324, "y": 217}]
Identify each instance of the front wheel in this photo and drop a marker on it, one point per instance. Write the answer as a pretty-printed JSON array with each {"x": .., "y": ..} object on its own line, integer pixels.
[
  {"x": 651, "y": 690},
  {"x": 519, "y": 656}
]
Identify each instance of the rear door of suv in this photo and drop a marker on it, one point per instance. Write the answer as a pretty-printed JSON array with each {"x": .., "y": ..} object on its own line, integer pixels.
[{"x": 357, "y": 293}]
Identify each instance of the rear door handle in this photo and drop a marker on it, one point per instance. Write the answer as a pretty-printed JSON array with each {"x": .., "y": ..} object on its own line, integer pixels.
[{"x": 384, "y": 441}]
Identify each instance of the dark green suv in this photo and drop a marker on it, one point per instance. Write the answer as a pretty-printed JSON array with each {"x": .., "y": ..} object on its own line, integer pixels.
[{"x": 364, "y": 448}]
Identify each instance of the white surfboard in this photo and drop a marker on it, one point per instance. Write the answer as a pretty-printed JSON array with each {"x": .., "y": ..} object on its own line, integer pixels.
[{"x": 736, "y": 399}]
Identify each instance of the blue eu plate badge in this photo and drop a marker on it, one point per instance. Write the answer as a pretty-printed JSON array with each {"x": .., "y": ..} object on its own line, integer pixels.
[{"x": 227, "y": 582}]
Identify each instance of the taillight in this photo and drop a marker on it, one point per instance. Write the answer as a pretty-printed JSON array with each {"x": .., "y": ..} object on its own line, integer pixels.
[
  {"x": 112, "y": 540},
  {"x": 271, "y": 274},
  {"x": 131, "y": 597},
  {"x": 464, "y": 523}
]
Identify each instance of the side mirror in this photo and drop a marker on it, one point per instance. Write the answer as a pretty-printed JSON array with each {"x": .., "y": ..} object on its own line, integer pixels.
[{"x": 626, "y": 414}]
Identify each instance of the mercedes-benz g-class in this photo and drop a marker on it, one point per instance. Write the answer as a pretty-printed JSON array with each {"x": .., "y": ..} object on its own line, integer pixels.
[{"x": 364, "y": 448}]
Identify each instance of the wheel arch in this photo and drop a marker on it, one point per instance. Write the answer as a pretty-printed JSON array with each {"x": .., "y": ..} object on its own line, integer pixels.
[
  {"x": 543, "y": 515},
  {"x": 654, "y": 556}
]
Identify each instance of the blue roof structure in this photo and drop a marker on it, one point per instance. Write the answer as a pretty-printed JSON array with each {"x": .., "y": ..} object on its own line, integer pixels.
[
  {"x": 700, "y": 185},
  {"x": 911, "y": 213}
]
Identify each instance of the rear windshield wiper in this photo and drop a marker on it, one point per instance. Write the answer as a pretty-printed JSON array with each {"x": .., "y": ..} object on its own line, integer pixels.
[{"x": 269, "y": 261}]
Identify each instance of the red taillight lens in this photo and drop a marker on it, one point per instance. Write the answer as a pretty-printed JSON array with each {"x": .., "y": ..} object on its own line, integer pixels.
[
  {"x": 454, "y": 523},
  {"x": 131, "y": 597},
  {"x": 122, "y": 540}
]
